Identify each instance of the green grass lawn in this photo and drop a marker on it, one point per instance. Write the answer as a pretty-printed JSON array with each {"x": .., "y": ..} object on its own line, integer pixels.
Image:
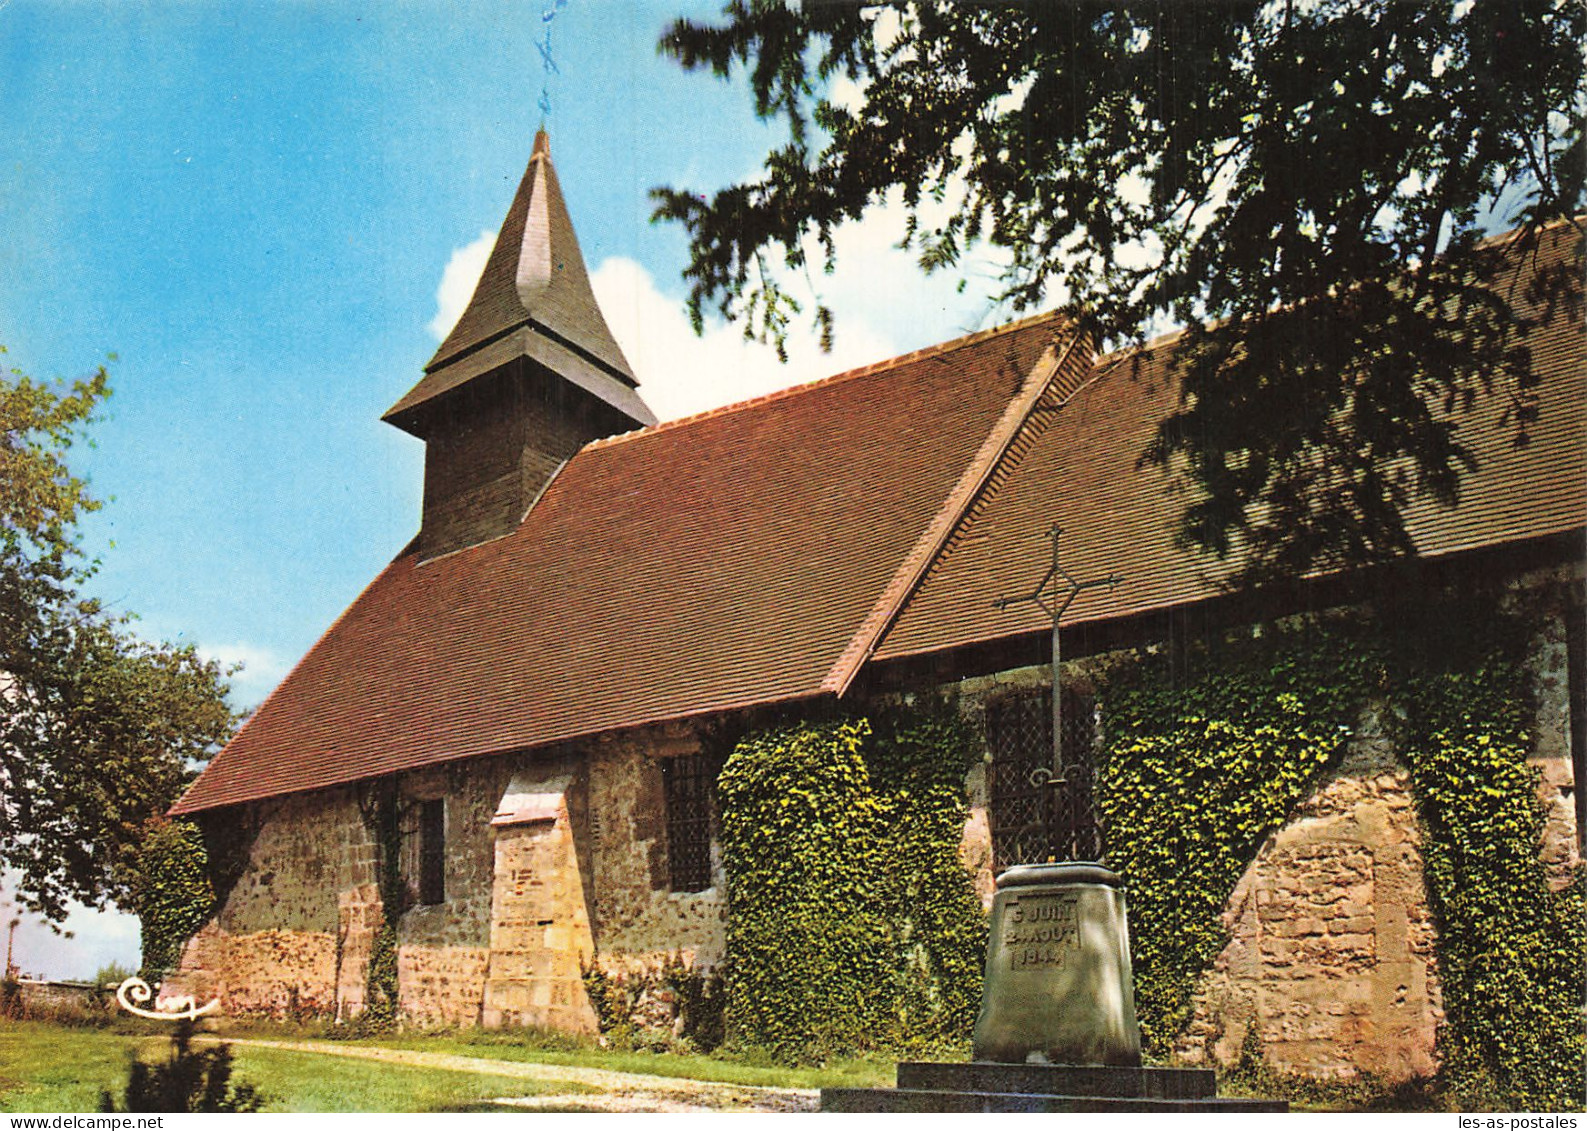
[
  {"x": 848, "y": 1073},
  {"x": 48, "y": 1067},
  {"x": 544, "y": 1047},
  {"x": 54, "y": 1068}
]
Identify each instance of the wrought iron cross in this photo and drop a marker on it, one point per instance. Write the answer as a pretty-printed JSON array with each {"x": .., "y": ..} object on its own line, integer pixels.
[{"x": 1054, "y": 593}]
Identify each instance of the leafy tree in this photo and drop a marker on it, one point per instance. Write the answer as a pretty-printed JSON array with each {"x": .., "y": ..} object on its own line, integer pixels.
[
  {"x": 112, "y": 974},
  {"x": 99, "y": 730},
  {"x": 1169, "y": 163}
]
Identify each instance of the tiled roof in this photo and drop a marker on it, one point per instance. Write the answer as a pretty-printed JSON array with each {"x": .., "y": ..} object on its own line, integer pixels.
[
  {"x": 744, "y": 556},
  {"x": 533, "y": 300},
  {"x": 1082, "y": 472},
  {"x": 766, "y": 551}
]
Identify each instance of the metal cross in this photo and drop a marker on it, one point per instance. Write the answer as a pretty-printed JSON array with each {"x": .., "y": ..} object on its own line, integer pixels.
[{"x": 1054, "y": 593}]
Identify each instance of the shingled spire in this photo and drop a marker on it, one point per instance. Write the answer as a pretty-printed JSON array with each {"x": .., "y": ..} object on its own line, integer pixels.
[{"x": 529, "y": 374}]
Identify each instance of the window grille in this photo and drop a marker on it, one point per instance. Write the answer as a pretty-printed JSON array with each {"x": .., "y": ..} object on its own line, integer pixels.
[
  {"x": 688, "y": 781},
  {"x": 1032, "y": 823},
  {"x": 432, "y": 851}
]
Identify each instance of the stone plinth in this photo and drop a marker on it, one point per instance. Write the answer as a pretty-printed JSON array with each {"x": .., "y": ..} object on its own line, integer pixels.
[
  {"x": 1057, "y": 1030},
  {"x": 982, "y": 1086},
  {"x": 1059, "y": 988}
]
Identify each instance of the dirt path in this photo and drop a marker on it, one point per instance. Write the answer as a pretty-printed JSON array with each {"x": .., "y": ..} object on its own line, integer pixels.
[{"x": 612, "y": 1091}]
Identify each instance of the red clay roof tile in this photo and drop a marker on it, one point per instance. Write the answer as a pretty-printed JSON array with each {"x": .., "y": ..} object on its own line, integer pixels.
[
  {"x": 717, "y": 562},
  {"x": 764, "y": 551},
  {"x": 1082, "y": 472}
]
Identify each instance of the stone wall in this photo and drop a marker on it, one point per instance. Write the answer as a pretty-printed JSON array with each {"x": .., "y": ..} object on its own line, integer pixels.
[
  {"x": 1544, "y": 596},
  {"x": 1330, "y": 954},
  {"x": 525, "y": 908},
  {"x": 443, "y": 950},
  {"x": 639, "y": 922},
  {"x": 70, "y": 1003},
  {"x": 1330, "y": 960},
  {"x": 294, "y": 933},
  {"x": 275, "y": 946}
]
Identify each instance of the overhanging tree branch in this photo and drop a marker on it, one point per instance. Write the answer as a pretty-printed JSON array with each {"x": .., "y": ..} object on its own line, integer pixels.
[{"x": 1273, "y": 155}]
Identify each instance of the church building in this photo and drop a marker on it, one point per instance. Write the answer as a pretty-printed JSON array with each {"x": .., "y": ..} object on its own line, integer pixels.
[{"x": 529, "y": 690}]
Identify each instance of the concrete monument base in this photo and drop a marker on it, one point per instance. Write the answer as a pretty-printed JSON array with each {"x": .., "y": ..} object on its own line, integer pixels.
[
  {"x": 982, "y": 1086},
  {"x": 1057, "y": 1029},
  {"x": 1059, "y": 988}
]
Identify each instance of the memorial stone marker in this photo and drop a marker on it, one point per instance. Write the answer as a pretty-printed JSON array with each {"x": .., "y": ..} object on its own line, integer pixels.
[
  {"x": 1058, "y": 982},
  {"x": 1057, "y": 1029}
]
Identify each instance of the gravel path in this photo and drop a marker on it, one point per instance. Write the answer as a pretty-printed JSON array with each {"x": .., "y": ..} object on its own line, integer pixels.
[{"x": 612, "y": 1091}]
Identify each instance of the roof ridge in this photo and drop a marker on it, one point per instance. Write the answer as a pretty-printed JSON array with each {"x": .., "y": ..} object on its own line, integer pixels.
[
  {"x": 1167, "y": 337},
  {"x": 960, "y": 500},
  {"x": 1522, "y": 231},
  {"x": 974, "y": 338}
]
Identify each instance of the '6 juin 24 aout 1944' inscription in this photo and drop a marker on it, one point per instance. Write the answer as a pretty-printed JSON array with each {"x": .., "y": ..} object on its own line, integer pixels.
[{"x": 1040, "y": 931}]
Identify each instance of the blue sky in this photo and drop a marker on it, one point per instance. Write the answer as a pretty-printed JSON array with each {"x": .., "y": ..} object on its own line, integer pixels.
[{"x": 269, "y": 212}]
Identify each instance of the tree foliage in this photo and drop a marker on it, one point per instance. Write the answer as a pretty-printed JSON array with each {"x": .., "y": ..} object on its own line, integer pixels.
[
  {"x": 99, "y": 730},
  {"x": 1220, "y": 167}
]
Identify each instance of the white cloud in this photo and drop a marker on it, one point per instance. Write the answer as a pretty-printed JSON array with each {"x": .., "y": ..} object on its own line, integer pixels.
[
  {"x": 458, "y": 281},
  {"x": 882, "y": 285},
  {"x": 261, "y": 670},
  {"x": 883, "y": 305},
  {"x": 681, "y": 373},
  {"x": 846, "y": 93},
  {"x": 887, "y": 26}
]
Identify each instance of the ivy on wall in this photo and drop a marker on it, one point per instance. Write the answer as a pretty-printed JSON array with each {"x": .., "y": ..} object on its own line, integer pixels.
[
  {"x": 1197, "y": 771},
  {"x": 671, "y": 1008},
  {"x": 381, "y": 811},
  {"x": 853, "y": 924},
  {"x": 808, "y": 968},
  {"x": 1193, "y": 776},
  {"x": 1511, "y": 952},
  {"x": 171, "y": 890},
  {"x": 917, "y": 759}
]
